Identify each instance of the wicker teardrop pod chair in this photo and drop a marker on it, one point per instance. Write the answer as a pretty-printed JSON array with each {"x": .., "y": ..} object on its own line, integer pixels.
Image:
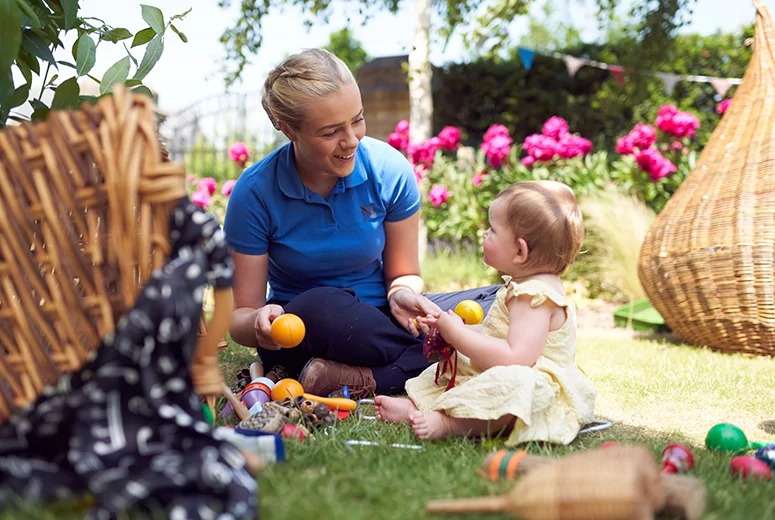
[
  {"x": 708, "y": 262},
  {"x": 85, "y": 202}
]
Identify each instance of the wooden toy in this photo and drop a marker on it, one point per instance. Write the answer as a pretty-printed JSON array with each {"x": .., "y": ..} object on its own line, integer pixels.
[
  {"x": 288, "y": 330},
  {"x": 685, "y": 496},
  {"x": 286, "y": 388},
  {"x": 470, "y": 311},
  {"x": 677, "y": 458},
  {"x": 337, "y": 403},
  {"x": 730, "y": 438},
  {"x": 622, "y": 482},
  {"x": 750, "y": 467}
]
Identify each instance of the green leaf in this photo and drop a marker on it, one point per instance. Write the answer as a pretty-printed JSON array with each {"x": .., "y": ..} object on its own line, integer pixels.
[
  {"x": 142, "y": 89},
  {"x": 25, "y": 70},
  {"x": 66, "y": 95},
  {"x": 179, "y": 33},
  {"x": 143, "y": 37},
  {"x": 151, "y": 56},
  {"x": 20, "y": 95},
  {"x": 37, "y": 46},
  {"x": 153, "y": 17},
  {"x": 86, "y": 55},
  {"x": 116, "y": 35},
  {"x": 117, "y": 73},
  {"x": 32, "y": 18},
  {"x": 41, "y": 110},
  {"x": 71, "y": 13},
  {"x": 6, "y": 94},
  {"x": 29, "y": 60},
  {"x": 67, "y": 64},
  {"x": 132, "y": 83}
]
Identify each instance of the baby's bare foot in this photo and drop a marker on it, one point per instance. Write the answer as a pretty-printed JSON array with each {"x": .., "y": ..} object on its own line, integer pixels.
[
  {"x": 393, "y": 409},
  {"x": 428, "y": 425}
]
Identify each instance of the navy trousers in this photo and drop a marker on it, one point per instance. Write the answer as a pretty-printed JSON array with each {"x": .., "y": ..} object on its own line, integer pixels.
[{"x": 342, "y": 328}]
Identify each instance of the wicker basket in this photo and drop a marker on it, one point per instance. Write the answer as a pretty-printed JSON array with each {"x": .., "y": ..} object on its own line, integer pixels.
[
  {"x": 85, "y": 199},
  {"x": 708, "y": 262}
]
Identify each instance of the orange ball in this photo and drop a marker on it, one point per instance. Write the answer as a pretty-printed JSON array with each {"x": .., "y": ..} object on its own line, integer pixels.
[
  {"x": 286, "y": 388},
  {"x": 470, "y": 311},
  {"x": 288, "y": 330}
]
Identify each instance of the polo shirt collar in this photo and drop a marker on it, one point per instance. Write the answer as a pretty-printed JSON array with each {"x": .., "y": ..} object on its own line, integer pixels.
[{"x": 290, "y": 182}]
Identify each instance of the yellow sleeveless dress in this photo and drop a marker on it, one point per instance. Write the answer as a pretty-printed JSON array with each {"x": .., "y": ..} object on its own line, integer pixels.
[{"x": 552, "y": 400}]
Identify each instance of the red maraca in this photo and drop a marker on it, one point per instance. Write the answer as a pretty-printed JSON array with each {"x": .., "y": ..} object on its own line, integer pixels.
[{"x": 677, "y": 458}]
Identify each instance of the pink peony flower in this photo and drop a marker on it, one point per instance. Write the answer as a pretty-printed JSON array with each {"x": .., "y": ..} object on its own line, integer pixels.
[
  {"x": 496, "y": 131},
  {"x": 677, "y": 123},
  {"x": 398, "y": 141},
  {"x": 191, "y": 179},
  {"x": 238, "y": 152},
  {"x": 540, "y": 147},
  {"x": 424, "y": 152},
  {"x": 654, "y": 164},
  {"x": 208, "y": 185},
  {"x": 402, "y": 127},
  {"x": 479, "y": 178},
  {"x": 419, "y": 171},
  {"x": 677, "y": 145},
  {"x": 497, "y": 149},
  {"x": 201, "y": 199},
  {"x": 528, "y": 161},
  {"x": 643, "y": 136},
  {"x": 625, "y": 145},
  {"x": 227, "y": 187},
  {"x": 722, "y": 107},
  {"x": 438, "y": 195},
  {"x": 449, "y": 138},
  {"x": 555, "y": 127},
  {"x": 570, "y": 146}
]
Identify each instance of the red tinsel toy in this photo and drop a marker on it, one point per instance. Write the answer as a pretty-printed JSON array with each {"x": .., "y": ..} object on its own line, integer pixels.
[{"x": 435, "y": 348}]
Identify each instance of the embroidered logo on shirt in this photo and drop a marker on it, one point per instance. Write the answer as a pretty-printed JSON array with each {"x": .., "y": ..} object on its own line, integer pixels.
[{"x": 368, "y": 212}]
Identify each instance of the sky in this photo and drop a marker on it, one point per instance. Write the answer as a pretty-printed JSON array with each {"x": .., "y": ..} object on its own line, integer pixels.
[{"x": 188, "y": 72}]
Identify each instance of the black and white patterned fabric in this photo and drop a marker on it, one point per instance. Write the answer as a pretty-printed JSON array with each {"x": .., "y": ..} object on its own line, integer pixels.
[{"x": 128, "y": 427}]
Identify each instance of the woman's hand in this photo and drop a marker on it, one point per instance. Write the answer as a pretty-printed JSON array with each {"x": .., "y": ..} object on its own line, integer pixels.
[
  {"x": 405, "y": 305},
  {"x": 263, "y": 323}
]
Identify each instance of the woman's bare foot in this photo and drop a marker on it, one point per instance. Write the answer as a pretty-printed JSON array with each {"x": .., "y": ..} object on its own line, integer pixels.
[
  {"x": 393, "y": 409},
  {"x": 428, "y": 425}
]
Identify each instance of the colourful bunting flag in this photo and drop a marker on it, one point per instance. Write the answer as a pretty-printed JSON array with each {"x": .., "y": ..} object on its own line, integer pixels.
[
  {"x": 526, "y": 55},
  {"x": 617, "y": 71},
  {"x": 721, "y": 85},
  {"x": 670, "y": 81},
  {"x": 573, "y": 64}
]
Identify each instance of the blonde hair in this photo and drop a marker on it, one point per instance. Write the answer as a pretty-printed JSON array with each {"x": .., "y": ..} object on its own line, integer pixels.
[
  {"x": 547, "y": 217},
  {"x": 300, "y": 80}
]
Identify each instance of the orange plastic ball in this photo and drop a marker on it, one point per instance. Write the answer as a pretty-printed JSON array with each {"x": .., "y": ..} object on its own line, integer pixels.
[
  {"x": 470, "y": 311},
  {"x": 286, "y": 388},
  {"x": 288, "y": 330}
]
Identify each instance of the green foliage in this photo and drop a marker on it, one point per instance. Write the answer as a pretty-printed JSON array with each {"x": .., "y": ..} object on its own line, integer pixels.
[
  {"x": 479, "y": 22},
  {"x": 593, "y": 103},
  {"x": 30, "y": 32},
  {"x": 347, "y": 49}
]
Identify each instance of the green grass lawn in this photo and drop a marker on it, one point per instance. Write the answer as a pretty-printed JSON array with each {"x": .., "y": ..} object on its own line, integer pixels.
[{"x": 654, "y": 391}]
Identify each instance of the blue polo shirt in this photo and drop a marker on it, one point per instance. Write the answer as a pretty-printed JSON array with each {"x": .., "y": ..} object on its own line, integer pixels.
[{"x": 314, "y": 242}]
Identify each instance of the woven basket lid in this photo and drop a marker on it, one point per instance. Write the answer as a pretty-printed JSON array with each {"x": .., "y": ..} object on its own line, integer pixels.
[{"x": 708, "y": 262}]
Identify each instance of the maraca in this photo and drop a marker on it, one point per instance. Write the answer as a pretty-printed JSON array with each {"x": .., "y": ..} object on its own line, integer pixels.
[
  {"x": 730, "y": 438},
  {"x": 287, "y": 330},
  {"x": 470, "y": 311},
  {"x": 676, "y": 458},
  {"x": 750, "y": 467},
  {"x": 767, "y": 455}
]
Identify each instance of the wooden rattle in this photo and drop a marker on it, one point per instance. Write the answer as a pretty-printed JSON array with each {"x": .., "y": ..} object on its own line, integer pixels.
[
  {"x": 685, "y": 496},
  {"x": 618, "y": 484}
]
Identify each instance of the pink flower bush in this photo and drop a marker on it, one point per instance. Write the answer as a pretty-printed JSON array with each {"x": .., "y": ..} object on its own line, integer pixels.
[
  {"x": 207, "y": 185},
  {"x": 479, "y": 178},
  {"x": 399, "y": 139},
  {"x": 238, "y": 152},
  {"x": 654, "y": 164},
  {"x": 641, "y": 137},
  {"x": 227, "y": 187},
  {"x": 201, "y": 199},
  {"x": 449, "y": 138},
  {"x": 438, "y": 195},
  {"x": 496, "y": 145},
  {"x": 722, "y": 107},
  {"x": 423, "y": 153},
  {"x": 677, "y": 123},
  {"x": 555, "y": 127},
  {"x": 555, "y": 140}
]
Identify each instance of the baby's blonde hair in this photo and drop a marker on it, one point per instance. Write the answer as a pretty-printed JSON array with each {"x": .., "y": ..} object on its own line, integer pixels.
[
  {"x": 546, "y": 215},
  {"x": 300, "y": 80}
]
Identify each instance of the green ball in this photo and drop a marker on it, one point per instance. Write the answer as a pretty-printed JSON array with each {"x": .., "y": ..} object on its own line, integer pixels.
[{"x": 726, "y": 437}]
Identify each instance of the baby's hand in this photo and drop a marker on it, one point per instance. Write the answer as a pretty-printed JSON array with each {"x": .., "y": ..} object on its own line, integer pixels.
[
  {"x": 424, "y": 323},
  {"x": 449, "y": 321}
]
